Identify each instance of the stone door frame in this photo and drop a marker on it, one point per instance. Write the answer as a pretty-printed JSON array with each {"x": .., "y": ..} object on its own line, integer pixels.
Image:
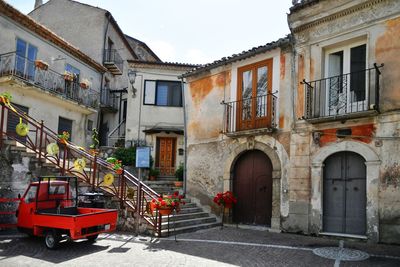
[
  {"x": 372, "y": 163},
  {"x": 276, "y": 176}
]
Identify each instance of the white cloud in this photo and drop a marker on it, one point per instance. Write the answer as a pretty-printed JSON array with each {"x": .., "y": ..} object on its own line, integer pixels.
[
  {"x": 197, "y": 56},
  {"x": 163, "y": 50}
]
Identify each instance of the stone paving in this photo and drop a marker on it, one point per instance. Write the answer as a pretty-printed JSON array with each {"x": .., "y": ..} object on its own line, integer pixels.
[{"x": 213, "y": 247}]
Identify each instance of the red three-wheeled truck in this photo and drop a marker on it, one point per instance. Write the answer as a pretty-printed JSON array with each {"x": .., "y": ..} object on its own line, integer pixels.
[{"x": 49, "y": 208}]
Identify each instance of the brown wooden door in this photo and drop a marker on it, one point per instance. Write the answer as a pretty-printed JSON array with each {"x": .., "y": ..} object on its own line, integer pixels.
[
  {"x": 166, "y": 155},
  {"x": 252, "y": 184},
  {"x": 254, "y": 95}
]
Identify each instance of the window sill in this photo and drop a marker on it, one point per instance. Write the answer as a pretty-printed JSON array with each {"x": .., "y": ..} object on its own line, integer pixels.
[{"x": 343, "y": 117}]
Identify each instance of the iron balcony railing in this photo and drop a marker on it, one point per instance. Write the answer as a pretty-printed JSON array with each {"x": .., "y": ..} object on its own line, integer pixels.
[
  {"x": 343, "y": 94},
  {"x": 12, "y": 64},
  {"x": 109, "y": 100},
  {"x": 113, "y": 61},
  {"x": 250, "y": 113}
]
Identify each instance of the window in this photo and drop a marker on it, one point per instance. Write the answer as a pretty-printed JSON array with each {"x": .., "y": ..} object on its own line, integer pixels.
[
  {"x": 254, "y": 95},
  {"x": 90, "y": 125},
  {"x": 25, "y": 59},
  {"x": 30, "y": 195},
  {"x": 65, "y": 125},
  {"x": 163, "y": 93},
  {"x": 345, "y": 78},
  {"x": 72, "y": 88}
]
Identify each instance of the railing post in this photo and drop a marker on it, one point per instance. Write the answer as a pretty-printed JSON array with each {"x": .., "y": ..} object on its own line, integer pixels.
[
  {"x": 40, "y": 141},
  {"x": 94, "y": 172},
  {"x": 2, "y": 126},
  {"x": 377, "y": 74}
]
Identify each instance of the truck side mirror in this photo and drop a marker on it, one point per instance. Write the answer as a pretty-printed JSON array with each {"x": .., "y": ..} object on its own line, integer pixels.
[{"x": 19, "y": 195}]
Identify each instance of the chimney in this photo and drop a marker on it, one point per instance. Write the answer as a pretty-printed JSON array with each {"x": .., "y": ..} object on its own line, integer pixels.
[{"x": 38, "y": 3}]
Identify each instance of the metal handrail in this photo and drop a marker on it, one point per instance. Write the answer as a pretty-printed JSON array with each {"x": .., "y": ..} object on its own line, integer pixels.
[
  {"x": 40, "y": 136},
  {"x": 352, "y": 92},
  {"x": 253, "y": 108}
]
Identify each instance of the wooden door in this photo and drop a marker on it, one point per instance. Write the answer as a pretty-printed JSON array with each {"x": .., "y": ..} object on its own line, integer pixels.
[
  {"x": 165, "y": 160},
  {"x": 252, "y": 184},
  {"x": 344, "y": 200}
]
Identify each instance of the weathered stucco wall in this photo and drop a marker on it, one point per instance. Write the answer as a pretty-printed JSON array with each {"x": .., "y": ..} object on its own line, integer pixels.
[{"x": 323, "y": 26}]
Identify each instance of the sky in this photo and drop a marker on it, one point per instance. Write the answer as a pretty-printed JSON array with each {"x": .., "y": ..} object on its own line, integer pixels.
[{"x": 194, "y": 31}]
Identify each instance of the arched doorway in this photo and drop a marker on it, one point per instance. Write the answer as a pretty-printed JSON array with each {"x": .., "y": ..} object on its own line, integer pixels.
[
  {"x": 344, "y": 194},
  {"x": 252, "y": 184}
]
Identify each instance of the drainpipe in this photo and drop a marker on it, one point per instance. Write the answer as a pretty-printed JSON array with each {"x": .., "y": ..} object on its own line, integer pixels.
[{"x": 184, "y": 135}]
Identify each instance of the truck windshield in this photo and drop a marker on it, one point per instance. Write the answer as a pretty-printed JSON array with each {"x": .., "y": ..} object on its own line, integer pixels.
[{"x": 30, "y": 195}]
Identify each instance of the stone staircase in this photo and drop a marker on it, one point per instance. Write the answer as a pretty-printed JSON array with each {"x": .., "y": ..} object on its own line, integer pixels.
[{"x": 190, "y": 218}]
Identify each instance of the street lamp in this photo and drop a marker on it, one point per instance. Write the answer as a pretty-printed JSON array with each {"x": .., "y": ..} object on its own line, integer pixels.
[{"x": 132, "y": 78}]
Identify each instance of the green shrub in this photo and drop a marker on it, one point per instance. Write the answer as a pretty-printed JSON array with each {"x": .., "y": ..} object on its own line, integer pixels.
[
  {"x": 126, "y": 155},
  {"x": 179, "y": 173}
]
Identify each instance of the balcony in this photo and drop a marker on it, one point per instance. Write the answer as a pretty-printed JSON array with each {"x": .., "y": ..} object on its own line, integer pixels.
[
  {"x": 113, "y": 61},
  {"x": 344, "y": 96},
  {"x": 250, "y": 116},
  {"x": 109, "y": 101},
  {"x": 18, "y": 67}
]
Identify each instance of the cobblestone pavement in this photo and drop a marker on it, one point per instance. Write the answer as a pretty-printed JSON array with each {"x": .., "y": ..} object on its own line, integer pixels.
[{"x": 213, "y": 247}]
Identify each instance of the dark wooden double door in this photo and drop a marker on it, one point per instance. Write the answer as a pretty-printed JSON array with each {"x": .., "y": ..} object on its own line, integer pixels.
[
  {"x": 344, "y": 194},
  {"x": 252, "y": 184}
]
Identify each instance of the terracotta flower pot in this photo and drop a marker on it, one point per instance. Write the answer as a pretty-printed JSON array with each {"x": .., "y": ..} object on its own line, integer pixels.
[
  {"x": 228, "y": 205},
  {"x": 118, "y": 171},
  {"x": 165, "y": 211},
  {"x": 178, "y": 183}
]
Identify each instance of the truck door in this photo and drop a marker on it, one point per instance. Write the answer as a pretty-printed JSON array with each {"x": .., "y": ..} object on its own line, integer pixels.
[{"x": 27, "y": 208}]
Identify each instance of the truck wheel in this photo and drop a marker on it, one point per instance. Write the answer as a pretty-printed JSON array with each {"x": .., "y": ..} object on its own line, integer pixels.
[
  {"x": 92, "y": 238},
  {"x": 51, "y": 239}
]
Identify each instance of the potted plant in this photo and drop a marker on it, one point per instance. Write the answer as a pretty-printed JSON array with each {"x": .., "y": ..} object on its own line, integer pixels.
[
  {"x": 179, "y": 176},
  {"x": 94, "y": 147},
  {"x": 68, "y": 76},
  {"x": 167, "y": 203},
  {"x": 84, "y": 84},
  {"x": 115, "y": 164},
  {"x": 40, "y": 64},
  {"x": 226, "y": 199},
  {"x": 153, "y": 174},
  {"x": 64, "y": 137}
]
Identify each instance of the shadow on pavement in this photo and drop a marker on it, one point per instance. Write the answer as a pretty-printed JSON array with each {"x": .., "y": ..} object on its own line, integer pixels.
[{"x": 35, "y": 248}]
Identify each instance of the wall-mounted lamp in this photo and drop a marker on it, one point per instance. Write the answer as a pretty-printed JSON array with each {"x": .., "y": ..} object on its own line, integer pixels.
[{"x": 132, "y": 78}]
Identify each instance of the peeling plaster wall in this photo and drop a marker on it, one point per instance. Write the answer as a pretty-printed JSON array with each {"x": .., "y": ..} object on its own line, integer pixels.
[
  {"x": 325, "y": 25},
  {"x": 212, "y": 155}
]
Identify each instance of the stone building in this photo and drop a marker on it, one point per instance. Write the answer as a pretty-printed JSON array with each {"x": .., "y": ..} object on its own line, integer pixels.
[
  {"x": 344, "y": 146},
  {"x": 37, "y": 90},
  {"x": 319, "y": 156},
  {"x": 156, "y": 112},
  {"x": 238, "y": 130},
  {"x": 101, "y": 38}
]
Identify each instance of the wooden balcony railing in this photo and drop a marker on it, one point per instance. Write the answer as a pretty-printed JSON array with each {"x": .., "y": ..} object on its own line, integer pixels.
[{"x": 343, "y": 94}]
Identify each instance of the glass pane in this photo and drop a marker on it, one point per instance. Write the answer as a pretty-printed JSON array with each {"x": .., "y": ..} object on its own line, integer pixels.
[
  {"x": 32, "y": 52},
  {"x": 247, "y": 92},
  {"x": 357, "y": 78},
  {"x": 335, "y": 81},
  {"x": 150, "y": 92},
  {"x": 20, "y": 57},
  {"x": 176, "y": 95},
  {"x": 247, "y": 84},
  {"x": 262, "y": 82},
  {"x": 162, "y": 95}
]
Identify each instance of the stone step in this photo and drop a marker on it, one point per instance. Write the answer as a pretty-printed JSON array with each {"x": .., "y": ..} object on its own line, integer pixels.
[
  {"x": 18, "y": 148},
  {"x": 190, "y": 228},
  {"x": 187, "y": 216},
  {"x": 190, "y": 210},
  {"x": 188, "y": 222},
  {"x": 166, "y": 178},
  {"x": 28, "y": 154},
  {"x": 151, "y": 183},
  {"x": 10, "y": 142}
]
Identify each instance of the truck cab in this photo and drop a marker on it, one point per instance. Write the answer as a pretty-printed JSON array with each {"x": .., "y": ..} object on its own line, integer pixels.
[{"x": 49, "y": 208}]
